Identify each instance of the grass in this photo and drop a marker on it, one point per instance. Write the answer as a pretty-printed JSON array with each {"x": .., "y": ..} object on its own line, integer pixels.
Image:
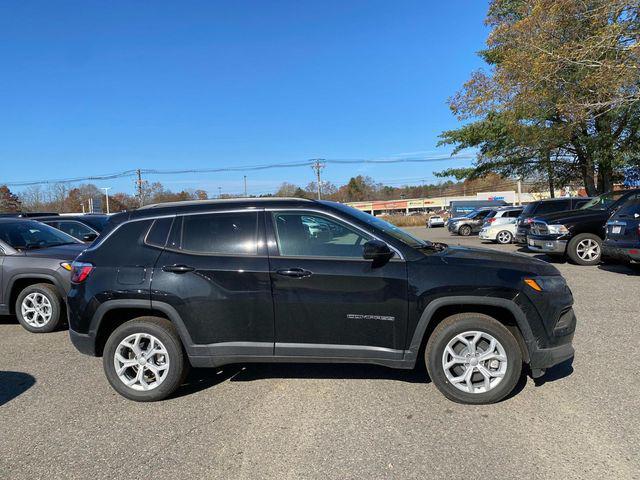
[{"x": 406, "y": 221}]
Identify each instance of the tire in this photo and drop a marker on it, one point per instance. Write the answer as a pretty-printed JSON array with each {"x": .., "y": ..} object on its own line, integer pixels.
[
  {"x": 579, "y": 252},
  {"x": 464, "y": 230},
  {"x": 170, "y": 354},
  {"x": 44, "y": 298},
  {"x": 502, "y": 378},
  {"x": 504, "y": 237}
]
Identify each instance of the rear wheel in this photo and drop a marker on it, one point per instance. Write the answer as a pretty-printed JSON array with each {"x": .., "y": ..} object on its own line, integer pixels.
[
  {"x": 585, "y": 249},
  {"x": 144, "y": 359},
  {"x": 504, "y": 237},
  {"x": 472, "y": 358},
  {"x": 39, "y": 309},
  {"x": 464, "y": 230}
]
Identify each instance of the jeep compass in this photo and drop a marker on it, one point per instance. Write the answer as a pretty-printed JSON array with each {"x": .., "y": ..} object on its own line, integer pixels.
[{"x": 209, "y": 283}]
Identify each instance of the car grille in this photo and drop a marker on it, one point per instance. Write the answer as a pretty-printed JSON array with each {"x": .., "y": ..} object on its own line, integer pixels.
[{"x": 539, "y": 228}]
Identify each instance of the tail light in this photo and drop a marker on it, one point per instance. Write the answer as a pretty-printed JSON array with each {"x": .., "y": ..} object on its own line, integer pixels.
[
  {"x": 491, "y": 220},
  {"x": 527, "y": 221},
  {"x": 80, "y": 271}
]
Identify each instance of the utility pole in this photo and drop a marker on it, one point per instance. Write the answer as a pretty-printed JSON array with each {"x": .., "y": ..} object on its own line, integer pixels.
[
  {"x": 106, "y": 194},
  {"x": 219, "y": 192},
  {"x": 519, "y": 192},
  {"x": 317, "y": 166},
  {"x": 139, "y": 182},
  {"x": 245, "y": 186}
]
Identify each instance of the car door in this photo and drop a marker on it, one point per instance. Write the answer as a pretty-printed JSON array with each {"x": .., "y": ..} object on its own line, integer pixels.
[
  {"x": 214, "y": 272},
  {"x": 328, "y": 300},
  {"x": 624, "y": 226}
]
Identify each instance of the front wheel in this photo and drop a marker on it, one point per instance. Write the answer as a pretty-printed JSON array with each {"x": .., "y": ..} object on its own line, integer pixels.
[
  {"x": 39, "y": 309},
  {"x": 144, "y": 359},
  {"x": 474, "y": 359},
  {"x": 464, "y": 230},
  {"x": 585, "y": 249},
  {"x": 504, "y": 237}
]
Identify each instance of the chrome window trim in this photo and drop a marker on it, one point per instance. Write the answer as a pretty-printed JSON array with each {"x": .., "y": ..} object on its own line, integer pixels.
[{"x": 330, "y": 214}]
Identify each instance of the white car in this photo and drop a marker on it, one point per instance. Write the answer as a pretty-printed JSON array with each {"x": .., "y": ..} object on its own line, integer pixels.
[
  {"x": 435, "y": 221},
  {"x": 500, "y": 233}
]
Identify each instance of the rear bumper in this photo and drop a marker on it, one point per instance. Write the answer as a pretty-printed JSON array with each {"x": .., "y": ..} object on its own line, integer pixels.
[
  {"x": 84, "y": 342},
  {"x": 546, "y": 245},
  {"x": 621, "y": 252}
]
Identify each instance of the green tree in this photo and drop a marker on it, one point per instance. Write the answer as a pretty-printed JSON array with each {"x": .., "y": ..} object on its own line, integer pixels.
[{"x": 562, "y": 96}]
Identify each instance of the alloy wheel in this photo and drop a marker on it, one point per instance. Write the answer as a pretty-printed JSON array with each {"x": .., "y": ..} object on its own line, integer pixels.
[
  {"x": 141, "y": 362},
  {"x": 504, "y": 237},
  {"x": 474, "y": 362},
  {"x": 588, "y": 250},
  {"x": 36, "y": 309}
]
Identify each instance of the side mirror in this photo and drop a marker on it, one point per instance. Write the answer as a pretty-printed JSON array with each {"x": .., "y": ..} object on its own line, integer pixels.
[
  {"x": 377, "y": 251},
  {"x": 89, "y": 237}
]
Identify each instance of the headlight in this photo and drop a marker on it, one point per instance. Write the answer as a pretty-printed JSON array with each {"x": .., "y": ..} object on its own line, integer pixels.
[
  {"x": 552, "y": 283},
  {"x": 557, "y": 229}
]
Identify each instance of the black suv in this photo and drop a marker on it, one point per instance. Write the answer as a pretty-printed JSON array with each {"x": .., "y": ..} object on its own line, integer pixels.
[
  {"x": 85, "y": 227},
  {"x": 623, "y": 232},
  {"x": 216, "y": 282},
  {"x": 543, "y": 207},
  {"x": 578, "y": 234},
  {"x": 35, "y": 266}
]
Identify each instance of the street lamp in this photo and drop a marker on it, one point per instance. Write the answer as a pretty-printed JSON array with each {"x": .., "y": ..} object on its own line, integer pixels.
[{"x": 106, "y": 194}]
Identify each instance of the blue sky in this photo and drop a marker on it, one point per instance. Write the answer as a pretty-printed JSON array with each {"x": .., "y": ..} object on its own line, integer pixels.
[{"x": 91, "y": 87}]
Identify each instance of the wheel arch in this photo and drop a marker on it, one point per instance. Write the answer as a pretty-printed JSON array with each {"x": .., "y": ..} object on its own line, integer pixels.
[
  {"x": 504, "y": 310},
  {"x": 21, "y": 281},
  {"x": 113, "y": 313}
]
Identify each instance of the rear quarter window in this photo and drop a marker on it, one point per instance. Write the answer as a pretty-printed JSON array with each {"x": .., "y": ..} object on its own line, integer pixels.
[{"x": 125, "y": 246}]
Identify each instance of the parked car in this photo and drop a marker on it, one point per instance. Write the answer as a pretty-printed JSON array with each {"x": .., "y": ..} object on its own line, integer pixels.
[
  {"x": 435, "y": 221},
  {"x": 502, "y": 215},
  {"x": 469, "y": 224},
  {"x": 35, "y": 265},
  {"x": 499, "y": 232},
  {"x": 622, "y": 239},
  {"x": 215, "y": 282},
  {"x": 543, "y": 207},
  {"x": 83, "y": 227},
  {"x": 577, "y": 234}
]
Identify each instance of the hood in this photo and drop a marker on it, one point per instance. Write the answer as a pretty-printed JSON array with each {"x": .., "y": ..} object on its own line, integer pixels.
[
  {"x": 455, "y": 219},
  {"x": 62, "y": 252},
  {"x": 484, "y": 257},
  {"x": 573, "y": 216}
]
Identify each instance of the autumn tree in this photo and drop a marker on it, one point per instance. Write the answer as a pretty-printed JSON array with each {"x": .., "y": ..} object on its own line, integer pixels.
[
  {"x": 561, "y": 97},
  {"x": 9, "y": 202}
]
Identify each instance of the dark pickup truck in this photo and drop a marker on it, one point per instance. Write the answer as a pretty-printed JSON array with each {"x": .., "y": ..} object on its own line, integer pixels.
[{"x": 577, "y": 234}]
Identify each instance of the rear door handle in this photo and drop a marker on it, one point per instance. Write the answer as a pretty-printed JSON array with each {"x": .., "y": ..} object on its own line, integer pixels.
[
  {"x": 295, "y": 273},
  {"x": 177, "y": 268}
]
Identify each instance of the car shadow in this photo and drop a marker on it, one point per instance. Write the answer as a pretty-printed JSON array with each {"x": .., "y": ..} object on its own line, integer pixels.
[
  {"x": 8, "y": 319},
  {"x": 14, "y": 384},
  {"x": 203, "y": 378},
  {"x": 624, "y": 268},
  {"x": 557, "y": 372}
]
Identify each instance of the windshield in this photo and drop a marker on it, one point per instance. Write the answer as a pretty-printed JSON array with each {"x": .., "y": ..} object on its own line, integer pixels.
[
  {"x": 386, "y": 227},
  {"x": 603, "y": 202},
  {"x": 27, "y": 234}
]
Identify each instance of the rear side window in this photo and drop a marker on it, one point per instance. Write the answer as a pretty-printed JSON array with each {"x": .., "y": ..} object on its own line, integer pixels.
[
  {"x": 550, "y": 207},
  {"x": 221, "y": 233},
  {"x": 512, "y": 213},
  {"x": 159, "y": 232},
  {"x": 630, "y": 209}
]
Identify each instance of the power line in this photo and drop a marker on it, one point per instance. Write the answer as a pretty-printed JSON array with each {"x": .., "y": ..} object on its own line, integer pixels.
[{"x": 246, "y": 168}]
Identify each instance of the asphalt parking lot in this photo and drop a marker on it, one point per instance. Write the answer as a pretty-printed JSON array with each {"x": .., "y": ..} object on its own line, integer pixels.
[{"x": 60, "y": 419}]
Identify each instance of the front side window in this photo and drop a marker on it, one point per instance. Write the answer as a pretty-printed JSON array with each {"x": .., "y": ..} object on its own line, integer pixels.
[
  {"x": 75, "y": 229},
  {"x": 631, "y": 208},
  {"x": 221, "y": 233},
  {"x": 301, "y": 234},
  {"x": 604, "y": 201},
  {"x": 24, "y": 235}
]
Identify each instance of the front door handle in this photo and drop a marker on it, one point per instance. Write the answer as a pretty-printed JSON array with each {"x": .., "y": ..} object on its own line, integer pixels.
[
  {"x": 177, "y": 268},
  {"x": 295, "y": 273}
]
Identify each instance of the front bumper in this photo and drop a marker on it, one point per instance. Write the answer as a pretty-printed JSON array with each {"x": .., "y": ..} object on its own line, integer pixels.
[
  {"x": 546, "y": 244},
  {"x": 484, "y": 235}
]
